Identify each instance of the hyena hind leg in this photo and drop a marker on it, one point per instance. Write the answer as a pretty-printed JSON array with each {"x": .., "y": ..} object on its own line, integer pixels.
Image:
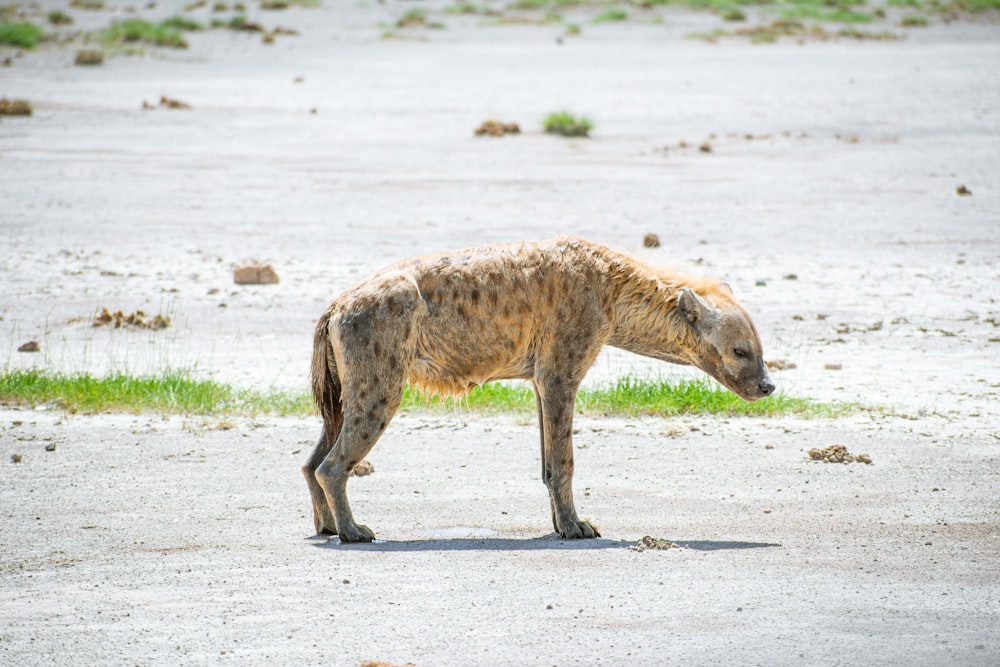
[
  {"x": 323, "y": 517},
  {"x": 363, "y": 425}
]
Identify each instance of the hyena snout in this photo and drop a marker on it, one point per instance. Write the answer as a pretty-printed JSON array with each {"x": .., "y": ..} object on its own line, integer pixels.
[{"x": 765, "y": 387}]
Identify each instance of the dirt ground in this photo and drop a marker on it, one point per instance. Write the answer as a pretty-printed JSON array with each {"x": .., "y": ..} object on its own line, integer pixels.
[{"x": 829, "y": 201}]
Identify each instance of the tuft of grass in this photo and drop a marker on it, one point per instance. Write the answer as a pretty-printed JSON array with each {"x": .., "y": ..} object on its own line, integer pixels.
[
  {"x": 412, "y": 18},
  {"x": 567, "y": 125},
  {"x": 913, "y": 21},
  {"x": 179, "y": 393},
  {"x": 611, "y": 14},
  {"x": 24, "y": 35},
  {"x": 59, "y": 17},
  {"x": 182, "y": 23}
]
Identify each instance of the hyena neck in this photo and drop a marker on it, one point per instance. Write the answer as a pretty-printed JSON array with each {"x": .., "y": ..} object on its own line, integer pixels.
[{"x": 646, "y": 318}]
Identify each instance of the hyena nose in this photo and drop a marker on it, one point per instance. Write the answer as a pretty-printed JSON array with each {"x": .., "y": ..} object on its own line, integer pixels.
[{"x": 766, "y": 387}]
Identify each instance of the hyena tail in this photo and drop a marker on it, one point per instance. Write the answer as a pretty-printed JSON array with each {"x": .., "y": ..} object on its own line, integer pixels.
[{"x": 326, "y": 384}]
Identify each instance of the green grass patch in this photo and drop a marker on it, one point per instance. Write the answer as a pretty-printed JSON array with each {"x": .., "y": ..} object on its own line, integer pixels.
[
  {"x": 136, "y": 31},
  {"x": 180, "y": 393},
  {"x": 24, "y": 35},
  {"x": 567, "y": 125}
]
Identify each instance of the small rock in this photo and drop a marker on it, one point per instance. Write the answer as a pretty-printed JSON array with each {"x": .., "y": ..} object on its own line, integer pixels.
[
  {"x": 833, "y": 367},
  {"x": 255, "y": 273},
  {"x": 761, "y": 283},
  {"x": 963, "y": 191},
  {"x": 16, "y": 458},
  {"x": 791, "y": 276},
  {"x": 650, "y": 241},
  {"x": 705, "y": 147},
  {"x": 30, "y": 346},
  {"x": 51, "y": 447}
]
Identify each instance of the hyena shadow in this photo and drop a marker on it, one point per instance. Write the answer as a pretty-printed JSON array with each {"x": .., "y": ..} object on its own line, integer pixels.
[{"x": 550, "y": 542}]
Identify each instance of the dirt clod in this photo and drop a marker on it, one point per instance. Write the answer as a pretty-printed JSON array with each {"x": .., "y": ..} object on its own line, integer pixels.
[
  {"x": 15, "y": 107},
  {"x": 255, "y": 273},
  {"x": 16, "y": 458},
  {"x": 648, "y": 542},
  {"x": 833, "y": 367},
  {"x": 30, "y": 346},
  {"x": 650, "y": 241},
  {"x": 963, "y": 191},
  {"x": 138, "y": 319},
  {"x": 496, "y": 128},
  {"x": 837, "y": 454}
]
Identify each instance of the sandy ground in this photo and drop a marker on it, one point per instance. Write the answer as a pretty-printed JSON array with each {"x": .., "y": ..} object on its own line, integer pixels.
[{"x": 143, "y": 540}]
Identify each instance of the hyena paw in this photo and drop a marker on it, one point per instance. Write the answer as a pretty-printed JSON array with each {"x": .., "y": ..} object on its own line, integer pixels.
[
  {"x": 579, "y": 529},
  {"x": 356, "y": 533}
]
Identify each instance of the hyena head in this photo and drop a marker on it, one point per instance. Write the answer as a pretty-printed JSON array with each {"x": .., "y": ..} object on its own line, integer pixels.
[{"x": 727, "y": 346}]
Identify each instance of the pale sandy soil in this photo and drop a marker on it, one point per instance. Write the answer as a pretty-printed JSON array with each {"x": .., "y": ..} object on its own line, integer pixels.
[{"x": 143, "y": 540}]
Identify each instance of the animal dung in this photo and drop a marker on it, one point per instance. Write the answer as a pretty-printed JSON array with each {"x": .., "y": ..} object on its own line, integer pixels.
[
  {"x": 255, "y": 273},
  {"x": 495, "y": 128},
  {"x": 138, "y": 319},
  {"x": 14, "y": 107},
  {"x": 648, "y": 542},
  {"x": 30, "y": 346},
  {"x": 363, "y": 468},
  {"x": 838, "y": 454}
]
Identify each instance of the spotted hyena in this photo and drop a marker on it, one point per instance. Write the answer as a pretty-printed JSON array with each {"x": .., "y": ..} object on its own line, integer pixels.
[{"x": 534, "y": 311}]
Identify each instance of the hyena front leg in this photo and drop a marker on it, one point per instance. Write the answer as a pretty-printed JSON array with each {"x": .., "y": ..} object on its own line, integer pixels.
[
  {"x": 557, "y": 402},
  {"x": 541, "y": 432}
]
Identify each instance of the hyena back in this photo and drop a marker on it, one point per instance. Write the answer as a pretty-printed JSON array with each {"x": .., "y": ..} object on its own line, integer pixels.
[{"x": 534, "y": 311}]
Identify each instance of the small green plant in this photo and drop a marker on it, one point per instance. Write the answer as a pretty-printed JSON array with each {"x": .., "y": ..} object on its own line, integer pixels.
[
  {"x": 839, "y": 11},
  {"x": 573, "y": 29},
  {"x": 611, "y": 14},
  {"x": 24, "y": 35},
  {"x": 59, "y": 17},
  {"x": 92, "y": 5},
  {"x": 733, "y": 14},
  {"x": 913, "y": 21},
  {"x": 567, "y": 125}
]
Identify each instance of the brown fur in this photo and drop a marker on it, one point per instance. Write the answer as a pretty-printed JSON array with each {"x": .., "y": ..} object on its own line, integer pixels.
[{"x": 535, "y": 311}]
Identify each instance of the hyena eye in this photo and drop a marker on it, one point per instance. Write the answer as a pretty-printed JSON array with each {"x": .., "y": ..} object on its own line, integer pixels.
[{"x": 739, "y": 352}]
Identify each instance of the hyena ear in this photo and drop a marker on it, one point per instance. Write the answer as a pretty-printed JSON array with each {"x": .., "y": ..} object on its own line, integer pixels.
[
  {"x": 726, "y": 288},
  {"x": 692, "y": 307}
]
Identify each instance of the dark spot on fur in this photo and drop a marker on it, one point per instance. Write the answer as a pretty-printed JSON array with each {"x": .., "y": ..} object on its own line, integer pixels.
[
  {"x": 377, "y": 348},
  {"x": 460, "y": 311},
  {"x": 381, "y": 425},
  {"x": 493, "y": 299},
  {"x": 474, "y": 296},
  {"x": 372, "y": 415},
  {"x": 362, "y": 394},
  {"x": 365, "y": 435},
  {"x": 383, "y": 401}
]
